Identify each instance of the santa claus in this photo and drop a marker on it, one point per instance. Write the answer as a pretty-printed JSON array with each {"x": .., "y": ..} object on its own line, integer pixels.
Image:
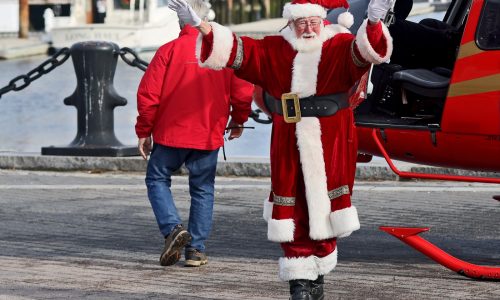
[{"x": 308, "y": 68}]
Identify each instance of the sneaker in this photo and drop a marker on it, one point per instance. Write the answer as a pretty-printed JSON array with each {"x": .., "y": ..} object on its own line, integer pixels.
[
  {"x": 195, "y": 258},
  {"x": 174, "y": 242}
]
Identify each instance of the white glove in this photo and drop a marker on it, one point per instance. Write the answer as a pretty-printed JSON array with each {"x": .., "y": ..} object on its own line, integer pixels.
[
  {"x": 377, "y": 9},
  {"x": 185, "y": 12}
]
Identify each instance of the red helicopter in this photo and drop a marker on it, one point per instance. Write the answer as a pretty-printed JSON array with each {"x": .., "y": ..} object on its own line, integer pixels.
[{"x": 439, "y": 117}]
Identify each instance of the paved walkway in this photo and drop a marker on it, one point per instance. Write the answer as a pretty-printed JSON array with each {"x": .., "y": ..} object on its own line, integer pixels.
[{"x": 76, "y": 235}]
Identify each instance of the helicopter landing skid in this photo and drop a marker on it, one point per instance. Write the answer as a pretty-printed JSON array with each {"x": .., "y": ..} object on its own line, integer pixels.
[{"x": 409, "y": 235}]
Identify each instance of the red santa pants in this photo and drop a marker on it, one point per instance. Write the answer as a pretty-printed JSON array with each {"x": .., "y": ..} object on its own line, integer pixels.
[{"x": 305, "y": 258}]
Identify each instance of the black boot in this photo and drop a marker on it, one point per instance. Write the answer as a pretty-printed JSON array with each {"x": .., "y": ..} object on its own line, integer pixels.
[
  {"x": 300, "y": 289},
  {"x": 317, "y": 288}
]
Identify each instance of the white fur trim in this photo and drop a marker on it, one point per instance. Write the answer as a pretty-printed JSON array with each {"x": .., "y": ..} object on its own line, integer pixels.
[
  {"x": 344, "y": 221},
  {"x": 306, "y": 267},
  {"x": 295, "y": 11},
  {"x": 365, "y": 48},
  {"x": 280, "y": 230},
  {"x": 332, "y": 29},
  {"x": 268, "y": 209},
  {"x": 298, "y": 268},
  {"x": 308, "y": 132},
  {"x": 345, "y": 19},
  {"x": 326, "y": 264},
  {"x": 305, "y": 73},
  {"x": 222, "y": 46}
]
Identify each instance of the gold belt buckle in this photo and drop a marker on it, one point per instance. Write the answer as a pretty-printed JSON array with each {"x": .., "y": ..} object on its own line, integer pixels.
[{"x": 296, "y": 107}]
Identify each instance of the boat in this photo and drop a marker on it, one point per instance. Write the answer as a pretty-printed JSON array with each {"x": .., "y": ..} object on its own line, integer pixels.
[{"x": 141, "y": 25}]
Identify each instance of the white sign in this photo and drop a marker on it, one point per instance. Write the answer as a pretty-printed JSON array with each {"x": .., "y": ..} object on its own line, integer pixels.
[{"x": 9, "y": 16}]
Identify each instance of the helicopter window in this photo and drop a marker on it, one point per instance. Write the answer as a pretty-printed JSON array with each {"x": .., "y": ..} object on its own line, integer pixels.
[{"x": 488, "y": 31}]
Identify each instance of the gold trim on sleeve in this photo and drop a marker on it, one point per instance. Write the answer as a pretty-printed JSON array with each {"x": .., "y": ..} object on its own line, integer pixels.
[
  {"x": 283, "y": 201},
  {"x": 358, "y": 62},
  {"x": 239, "y": 54},
  {"x": 335, "y": 193}
]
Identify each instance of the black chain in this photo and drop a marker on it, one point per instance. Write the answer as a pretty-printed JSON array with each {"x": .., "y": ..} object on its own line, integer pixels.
[
  {"x": 56, "y": 60},
  {"x": 136, "y": 62}
]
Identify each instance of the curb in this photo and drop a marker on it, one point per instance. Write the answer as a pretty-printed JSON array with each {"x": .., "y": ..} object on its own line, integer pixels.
[
  {"x": 22, "y": 49},
  {"x": 248, "y": 167}
]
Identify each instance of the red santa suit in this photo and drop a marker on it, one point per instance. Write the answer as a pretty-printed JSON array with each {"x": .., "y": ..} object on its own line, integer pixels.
[{"x": 312, "y": 161}]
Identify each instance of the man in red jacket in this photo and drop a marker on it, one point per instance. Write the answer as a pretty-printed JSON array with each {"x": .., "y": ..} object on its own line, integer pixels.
[
  {"x": 185, "y": 109},
  {"x": 308, "y": 69}
]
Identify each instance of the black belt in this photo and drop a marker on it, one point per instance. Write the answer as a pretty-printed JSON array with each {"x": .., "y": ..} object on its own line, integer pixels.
[{"x": 313, "y": 106}]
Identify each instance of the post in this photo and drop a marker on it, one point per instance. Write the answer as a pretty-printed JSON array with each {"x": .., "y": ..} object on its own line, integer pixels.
[
  {"x": 132, "y": 10},
  {"x": 24, "y": 18},
  {"x": 267, "y": 4},
  {"x": 230, "y": 11},
  {"x": 89, "y": 9},
  {"x": 95, "y": 99},
  {"x": 141, "y": 11}
]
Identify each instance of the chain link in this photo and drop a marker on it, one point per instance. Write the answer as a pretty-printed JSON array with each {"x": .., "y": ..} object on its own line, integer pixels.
[
  {"x": 56, "y": 60},
  {"x": 136, "y": 62}
]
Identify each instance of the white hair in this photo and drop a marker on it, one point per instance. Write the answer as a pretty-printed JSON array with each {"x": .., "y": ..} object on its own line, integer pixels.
[{"x": 200, "y": 7}]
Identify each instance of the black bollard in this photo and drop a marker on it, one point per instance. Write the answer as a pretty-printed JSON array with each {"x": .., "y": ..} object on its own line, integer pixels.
[{"x": 95, "y": 99}]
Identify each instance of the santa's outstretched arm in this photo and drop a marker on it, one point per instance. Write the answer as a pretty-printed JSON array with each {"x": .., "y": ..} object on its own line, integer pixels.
[
  {"x": 373, "y": 40},
  {"x": 214, "y": 48}
]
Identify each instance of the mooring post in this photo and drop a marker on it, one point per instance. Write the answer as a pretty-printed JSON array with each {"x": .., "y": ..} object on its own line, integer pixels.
[{"x": 95, "y": 99}]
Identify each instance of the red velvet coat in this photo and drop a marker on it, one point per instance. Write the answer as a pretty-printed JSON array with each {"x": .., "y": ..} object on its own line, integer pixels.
[{"x": 320, "y": 150}]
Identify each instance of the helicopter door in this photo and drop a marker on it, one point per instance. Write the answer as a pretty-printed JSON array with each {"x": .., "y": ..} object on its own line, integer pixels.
[{"x": 412, "y": 97}]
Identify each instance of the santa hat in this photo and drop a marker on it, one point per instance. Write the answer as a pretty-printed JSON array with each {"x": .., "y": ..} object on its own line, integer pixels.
[{"x": 317, "y": 8}]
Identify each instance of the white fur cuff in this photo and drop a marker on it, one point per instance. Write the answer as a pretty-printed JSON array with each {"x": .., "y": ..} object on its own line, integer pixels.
[
  {"x": 280, "y": 230},
  {"x": 306, "y": 267},
  {"x": 221, "y": 47},
  {"x": 344, "y": 221},
  {"x": 326, "y": 264},
  {"x": 365, "y": 48},
  {"x": 268, "y": 210},
  {"x": 298, "y": 268}
]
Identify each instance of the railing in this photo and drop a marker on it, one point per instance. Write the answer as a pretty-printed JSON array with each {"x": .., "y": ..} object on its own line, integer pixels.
[{"x": 242, "y": 11}]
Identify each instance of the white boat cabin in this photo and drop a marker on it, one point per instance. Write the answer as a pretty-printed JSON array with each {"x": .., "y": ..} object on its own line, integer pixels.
[{"x": 138, "y": 24}]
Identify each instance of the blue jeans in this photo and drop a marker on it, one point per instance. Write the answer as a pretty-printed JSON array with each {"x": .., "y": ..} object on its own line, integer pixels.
[{"x": 201, "y": 165}]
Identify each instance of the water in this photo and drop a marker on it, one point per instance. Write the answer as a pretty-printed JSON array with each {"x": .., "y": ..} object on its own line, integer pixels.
[{"x": 36, "y": 116}]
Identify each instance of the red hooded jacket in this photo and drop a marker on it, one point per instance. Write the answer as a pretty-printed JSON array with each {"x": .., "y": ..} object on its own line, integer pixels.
[{"x": 185, "y": 106}]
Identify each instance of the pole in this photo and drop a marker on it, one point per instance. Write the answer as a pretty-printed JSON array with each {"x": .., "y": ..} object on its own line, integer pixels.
[
  {"x": 89, "y": 11},
  {"x": 24, "y": 19},
  {"x": 230, "y": 11}
]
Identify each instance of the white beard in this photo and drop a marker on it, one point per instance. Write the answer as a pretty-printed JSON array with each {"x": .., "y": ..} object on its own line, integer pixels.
[{"x": 303, "y": 44}]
